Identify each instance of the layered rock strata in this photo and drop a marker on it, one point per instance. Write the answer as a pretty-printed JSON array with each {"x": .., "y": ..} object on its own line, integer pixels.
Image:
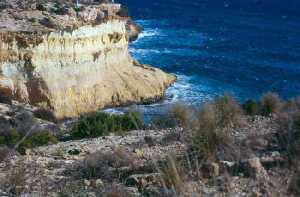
[{"x": 73, "y": 63}]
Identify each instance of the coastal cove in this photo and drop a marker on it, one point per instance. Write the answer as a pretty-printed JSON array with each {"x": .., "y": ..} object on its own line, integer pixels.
[
  {"x": 216, "y": 48},
  {"x": 152, "y": 98}
]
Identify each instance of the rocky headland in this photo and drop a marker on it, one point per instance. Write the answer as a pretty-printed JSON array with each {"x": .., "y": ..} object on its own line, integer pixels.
[{"x": 73, "y": 59}]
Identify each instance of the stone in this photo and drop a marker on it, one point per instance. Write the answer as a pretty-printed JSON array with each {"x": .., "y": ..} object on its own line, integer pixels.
[
  {"x": 139, "y": 152},
  {"x": 87, "y": 183},
  {"x": 143, "y": 180},
  {"x": 215, "y": 169},
  {"x": 99, "y": 183},
  {"x": 89, "y": 14}
]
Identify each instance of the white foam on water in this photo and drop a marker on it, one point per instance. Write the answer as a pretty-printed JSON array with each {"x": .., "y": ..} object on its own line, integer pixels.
[
  {"x": 179, "y": 89},
  {"x": 113, "y": 111},
  {"x": 143, "y": 51},
  {"x": 150, "y": 33}
]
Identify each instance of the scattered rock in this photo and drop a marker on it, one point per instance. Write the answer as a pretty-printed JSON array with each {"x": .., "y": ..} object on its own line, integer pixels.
[{"x": 143, "y": 180}]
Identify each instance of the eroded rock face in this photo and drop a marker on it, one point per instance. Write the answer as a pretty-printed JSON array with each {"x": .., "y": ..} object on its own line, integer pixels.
[{"x": 73, "y": 71}]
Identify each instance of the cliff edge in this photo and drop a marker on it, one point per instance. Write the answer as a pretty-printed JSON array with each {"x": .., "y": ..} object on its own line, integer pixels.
[{"x": 72, "y": 59}]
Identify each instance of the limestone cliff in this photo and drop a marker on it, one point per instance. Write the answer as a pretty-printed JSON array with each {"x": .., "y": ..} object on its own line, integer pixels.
[{"x": 78, "y": 67}]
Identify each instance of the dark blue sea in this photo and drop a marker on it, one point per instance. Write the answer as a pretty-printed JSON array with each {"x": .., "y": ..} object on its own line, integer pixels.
[{"x": 241, "y": 47}]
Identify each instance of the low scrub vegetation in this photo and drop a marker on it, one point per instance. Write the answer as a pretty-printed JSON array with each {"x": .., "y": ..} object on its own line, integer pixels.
[
  {"x": 172, "y": 176},
  {"x": 23, "y": 141},
  {"x": 288, "y": 121},
  {"x": 270, "y": 104},
  {"x": 100, "y": 124},
  {"x": 97, "y": 164},
  {"x": 210, "y": 130},
  {"x": 178, "y": 114},
  {"x": 181, "y": 114},
  {"x": 207, "y": 129},
  {"x": 251, "y": 107}
]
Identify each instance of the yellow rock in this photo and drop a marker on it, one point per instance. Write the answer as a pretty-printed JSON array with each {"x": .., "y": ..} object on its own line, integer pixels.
[
  {"x": 73, "y": 72},
  {"x": 139, "y": 152}
]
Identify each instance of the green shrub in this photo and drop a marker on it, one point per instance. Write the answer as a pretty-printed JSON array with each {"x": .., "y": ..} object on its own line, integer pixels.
[
  {"x": 270, "y": 104},
  {"x": 251, "y": 107},
  {"x": 100, "y": 124},
  {"x": 36, "y": 139},
  {"x": 59, "y": 9},
  {"x": 10, "y": 138},
  {"x": 41, "y": 138}
]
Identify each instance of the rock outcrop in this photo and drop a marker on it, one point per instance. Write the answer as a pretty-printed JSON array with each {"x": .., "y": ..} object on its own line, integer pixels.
[{"x": 72, "y": 60}]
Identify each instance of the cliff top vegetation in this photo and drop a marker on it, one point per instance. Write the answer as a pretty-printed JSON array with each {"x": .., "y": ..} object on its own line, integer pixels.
[{"x": 47, "y": 16}]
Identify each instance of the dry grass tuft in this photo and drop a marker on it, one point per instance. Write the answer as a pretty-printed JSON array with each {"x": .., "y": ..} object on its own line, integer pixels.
[
  {"x": 96, "y": 165},
  {"x": 172, "y": 176},
  {"x": 181, "y": 114},
  {"x": 270, "y": 104},
  {"x": 16, "y": 180},
  {"x": 214, "y": 121}
]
